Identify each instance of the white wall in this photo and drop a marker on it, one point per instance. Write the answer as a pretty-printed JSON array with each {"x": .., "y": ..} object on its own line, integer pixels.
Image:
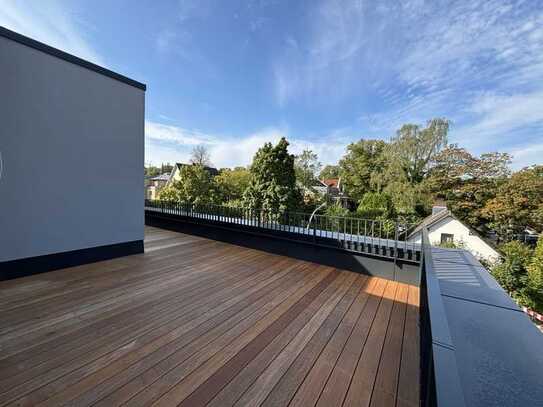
[
  {"x": 72, "y": 144},
  {"x": 473, "y": 243}
]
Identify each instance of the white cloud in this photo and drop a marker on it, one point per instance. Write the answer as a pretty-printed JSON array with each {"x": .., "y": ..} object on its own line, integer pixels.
[
  {"x": 167, "y": 143},
  {"x": 500, "y": 114},
  {"x": 50, "y": 23},
  {"x": 527, "y": 155},
  {"x": 176, "y": 135},
  {"x": 416, "y": 60},
  {"x": 324, "y": 63}
]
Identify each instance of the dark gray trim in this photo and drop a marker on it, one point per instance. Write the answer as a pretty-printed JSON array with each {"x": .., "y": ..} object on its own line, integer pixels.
[
  {"x": 29, "y": 42},
  {"x": 477, "y": 347},
  {"x": 41, "y": 264},
  {"x": 440, "y": 381},
  {"x": 380, "y": 266}
]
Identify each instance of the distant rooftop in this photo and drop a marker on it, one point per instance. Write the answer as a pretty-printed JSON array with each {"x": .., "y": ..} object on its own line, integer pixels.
[
  {"x": 212, "y": 170},
  {"x": 161, "y": 177}
]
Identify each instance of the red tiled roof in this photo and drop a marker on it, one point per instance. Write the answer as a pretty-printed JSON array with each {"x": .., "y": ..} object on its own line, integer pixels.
[{"x": 331, "y": 182}]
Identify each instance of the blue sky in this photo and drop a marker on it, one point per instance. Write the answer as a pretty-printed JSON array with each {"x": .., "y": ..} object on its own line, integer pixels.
[{"x": 234, "y": 74}]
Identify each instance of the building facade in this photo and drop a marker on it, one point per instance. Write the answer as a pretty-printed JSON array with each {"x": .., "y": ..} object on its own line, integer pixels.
[{"x": 64, "y": 115}]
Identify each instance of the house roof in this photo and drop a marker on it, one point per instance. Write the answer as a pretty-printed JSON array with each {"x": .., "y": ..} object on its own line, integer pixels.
[
  {"x": 432, "y": 219},
  {"x": 161, "y": 177},
  {"x": 331, "y": 182},
  {"x": 439, "y": 216},
  {"x": 212, "y": 170}
]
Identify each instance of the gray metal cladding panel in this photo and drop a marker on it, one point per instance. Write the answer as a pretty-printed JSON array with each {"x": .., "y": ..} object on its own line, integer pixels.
[
  {"x": 72, "y": 143},
  {"x": 461, "y": 275},
  {"x": 498, "y": 354}
]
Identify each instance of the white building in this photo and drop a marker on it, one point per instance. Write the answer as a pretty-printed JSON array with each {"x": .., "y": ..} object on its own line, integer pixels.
[
  {"x": 155, "y": 185},
  {"x": 444, "y": 227}
]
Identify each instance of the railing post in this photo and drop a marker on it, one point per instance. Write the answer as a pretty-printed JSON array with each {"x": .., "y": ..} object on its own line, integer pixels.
[{"x": 396, "y": 237}]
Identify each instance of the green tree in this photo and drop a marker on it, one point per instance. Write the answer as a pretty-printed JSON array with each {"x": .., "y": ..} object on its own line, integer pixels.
[
  {"x": 410, "y": 203},
  {"x": 511, "y": 272},
  {"x": 518, "y": 203},
  {"x": 330, "y": 171},
  {"x": 273, "y": 180},
  {"x": 196, "y": 186},
  {"x": 153, "y": 171},
  {"x": 306, "y": 166},
  {"x": 467, "y": 182},
  {"x": 362, "y": 166},
  {"x": 335, "y": 214},
  {"x": 169, "y": 194},
  {"x": 375, "y": 205},
  {"x": 521, "y": 273},
  {"x": 533, "y": 291},
  {"x": 232, "y": 183},
  {"x": 414, "y": 147}
]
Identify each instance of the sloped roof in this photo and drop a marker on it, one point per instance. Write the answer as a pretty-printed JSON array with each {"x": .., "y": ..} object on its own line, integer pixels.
[
  {"x": 432, "y": 219},
  {"x": 331, "y": 182},
  {"x": 212, "y": 170},
  {"x": 161, "y": 177},
  {"x": 439, "y": 216}
]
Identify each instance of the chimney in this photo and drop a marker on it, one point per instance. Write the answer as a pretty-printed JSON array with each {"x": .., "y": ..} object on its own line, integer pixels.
[{"x": 439, "y": 206}]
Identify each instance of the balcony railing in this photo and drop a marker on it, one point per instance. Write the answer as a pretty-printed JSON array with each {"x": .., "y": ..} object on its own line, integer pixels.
[{"x": 381, "y": 238}]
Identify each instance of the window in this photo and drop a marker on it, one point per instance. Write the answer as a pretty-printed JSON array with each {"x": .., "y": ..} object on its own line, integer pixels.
[{"x": 447, "y": 238}]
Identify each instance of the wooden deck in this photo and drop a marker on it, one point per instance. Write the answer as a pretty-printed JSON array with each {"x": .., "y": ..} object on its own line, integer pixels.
[{"x": 196, "y": 322}]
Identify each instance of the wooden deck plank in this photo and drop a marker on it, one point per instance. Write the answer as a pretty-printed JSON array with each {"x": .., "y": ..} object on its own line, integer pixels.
[
  {"x": 337, "y": 385},
  {"x": 104, "y": 342},
  {"x": 123, "y": 371},
  {"x": 150, "y": 330},
  {"x": 303, "y": 348},
  {"x": 309, "y": 390},
  {"x": 361, "y": 386},
  {"x": 408, "y": 395},
  {"x": 385, "y": 386},
  {"x": 107, "y": 376},
  {"x": 238, "y": 350},
  {"x": 82, "y": 320},
  {"x": 233, "y": 391},
  {"x": 199, "y": 322}
]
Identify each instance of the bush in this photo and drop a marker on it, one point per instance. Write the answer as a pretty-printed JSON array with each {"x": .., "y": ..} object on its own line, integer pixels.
[
  {"x": 533, "y": 291},
  {"x": 375, "y": 205},
  {"x": 520, "y": 273}
]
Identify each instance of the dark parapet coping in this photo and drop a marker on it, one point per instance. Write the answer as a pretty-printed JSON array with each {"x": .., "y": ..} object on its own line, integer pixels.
[
  {"x": 486, "y": 351},
  {"x": 29, "y": 42}
]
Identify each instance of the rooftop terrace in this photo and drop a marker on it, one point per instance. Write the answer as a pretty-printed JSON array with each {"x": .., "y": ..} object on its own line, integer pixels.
[{"x": 196, "y": 322}]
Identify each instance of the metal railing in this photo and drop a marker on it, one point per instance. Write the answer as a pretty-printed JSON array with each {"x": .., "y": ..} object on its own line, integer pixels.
[{"x": 376, "y": 237}]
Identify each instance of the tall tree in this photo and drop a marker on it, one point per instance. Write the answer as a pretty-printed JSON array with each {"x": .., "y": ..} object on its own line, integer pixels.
[
  {"x": 413, "y": 147},
  {"x": 467, "y": 182},
  {"x": 232, "y": 183},
  {"x": 273, "y": 180},
  {"x": 200, "y": 156},
  {"x": 330, "y": 171},
  {"x": 196, "y": 186},
  {"x": 307, "y": 166},
  {"x": 375, "y": 205},
  {"x": 518, "y": 203},
  {"x": 361, "y": 166}
]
